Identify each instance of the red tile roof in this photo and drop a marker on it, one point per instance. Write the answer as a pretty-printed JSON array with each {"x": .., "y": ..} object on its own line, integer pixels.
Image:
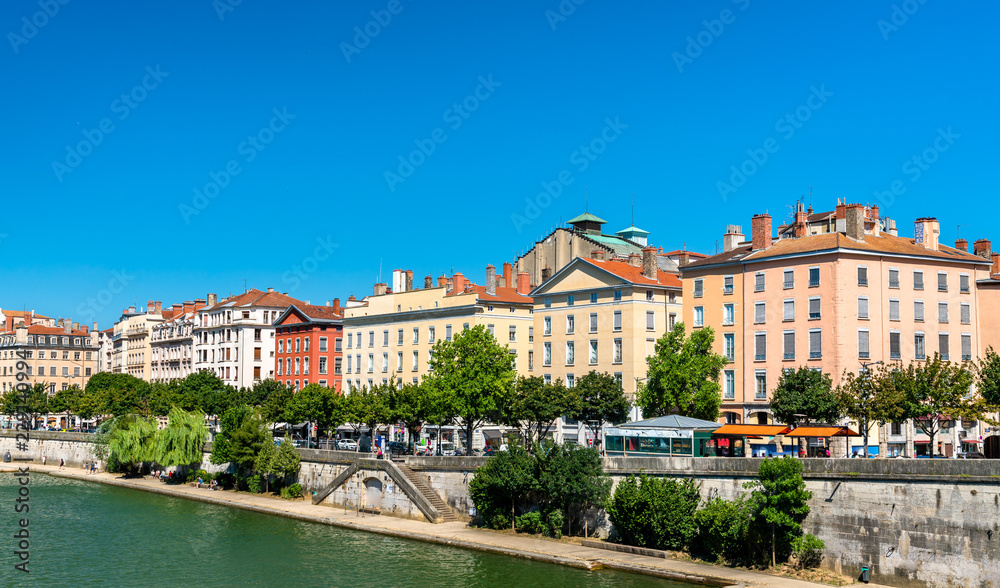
[
  {"x": 690, "y": 254},
  {"x": 40, "y": 330},
  {"x": 254, "y": 297},
  {"x": 23, "y": 313},
  {"x": 633, "y": 274},
  {"x": 506, "y": 295}
]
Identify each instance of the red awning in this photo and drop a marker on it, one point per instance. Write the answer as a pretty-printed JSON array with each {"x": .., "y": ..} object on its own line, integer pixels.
[
  {"x": 738, "y": 430},
  {"x": 822, "y": 432}
]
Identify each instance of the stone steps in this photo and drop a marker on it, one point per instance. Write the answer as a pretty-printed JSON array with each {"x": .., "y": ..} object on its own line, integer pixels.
[{"x": 442, "y": 507}]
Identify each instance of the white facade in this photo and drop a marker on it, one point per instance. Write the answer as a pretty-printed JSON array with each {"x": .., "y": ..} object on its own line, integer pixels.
[{"x": 172, "y": 346}]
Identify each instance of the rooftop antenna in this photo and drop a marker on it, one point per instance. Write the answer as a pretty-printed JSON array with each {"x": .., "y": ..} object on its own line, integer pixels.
[{"x": 244, "y": 285}]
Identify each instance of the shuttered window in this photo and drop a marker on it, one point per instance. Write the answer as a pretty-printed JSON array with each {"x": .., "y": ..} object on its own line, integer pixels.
[
  {"x": 918, "y": 280},
  {"x": 758, "y": 284},
  {"x": 966, "y": 311},
  {"x": 966, "y": 347},
  {"x": 863, "y": 349},
  {"x": 893, "y": 278},
  {"x": 942, "y": 282},
  {"x": 815, "y": 344},
  {"x": 918, "y": 310},
  {"x": 894, "y": 343},
  {"x": 862, "y": 307},
  {"x": 788, "y": 310},
  {"x": 814, "y": 308},
  {"x": 759, "y": 312},
  {"x": 918, "y": 346},
  {"x": 942, "y": 312},
  {"x": 789, "y": 344},
  {"x": 760, "y": 346},
  {"x": 944, "y": 346},
  {"x": 893, "y": 309}
]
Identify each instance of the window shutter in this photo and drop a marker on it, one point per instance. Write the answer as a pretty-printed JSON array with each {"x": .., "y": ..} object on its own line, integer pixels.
[
  {"x": 966, "y": 347},
  {"x": 918, "y": 311},
  {"x": 942, "y": 312},
  {"x": 863, "y": 350},
  {"x": 894, "y": 351},
  {"x": 760, "y": 346},
  {"x": 789, "y": 344},
  {"x": 862, "y": 308},
  {"x": 789, "y": 310},
  {"x": 966, "y": 314},
  {"x": 815, "y": 344},
  {"x": 760, "y": 311},
  {"x": 894, "y": 310},
  {"x": 814, "y": 308}
]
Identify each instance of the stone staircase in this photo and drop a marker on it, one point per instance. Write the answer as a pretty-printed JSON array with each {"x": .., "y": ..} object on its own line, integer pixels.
[{"x": 447, "y": 515}]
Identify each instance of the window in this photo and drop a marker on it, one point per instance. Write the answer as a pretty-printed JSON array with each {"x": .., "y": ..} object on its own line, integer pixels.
[
  {"x": 617, "y": 357},
  {"x": 895, "y": 429},
  {"x": 350, "y": 340},
  {"x": 814, "y": 277},
  {"x": 281, "y": 345},
  {"x": 760, "y": 385},
  {"x": 649, "y": 295},
  {"x": 570, "y": 380},
  {"x": 256, "y": 334},
  {"x": 281, "y": 364},
  {"x": 256, "y": 353},
  {"x": 963, "y": 283},
  {"x": 918, "y": 279},
  {"x": 944, "y": 347},
  {"x": 789, "y": 281},
  {"x": 942, "y": 281},
  {"x": 385, "y": 362},
  {"x": 415, "y": 364},
  {"x": 618, "y": 295},
  {"x": 894, "y": 345},
  {"x": 296, "y": 367},
  {"x": 671, "y": 320},
  {"x": 547, "y": 378},
  {"x": 617, "y": 325},
  {"x": 546, "y": 354},
  {"x": 447, "y": 332},
  {"x": 942, "y": 312},
  {"x": 788, "y": 310},
  {"x": 371, "y": 338},
  {"x": 759, "y": 312},
  {"x": 863, "y": 307},
  {"x": 699, "y": 316},
  {"x": 322, "y": 365},
  {"x": 966, "y": 313},
  {"x": 348, "y": 363},
  {"x": 729, "y": 387},
  {"x": 547, "y": 325},
  {"x": 918, "y": 346},
  {"x": 815, "y": 344},
  {"x": 430, "y": 335},
  {"x": 699, "y": 288},
  {"x": 966, "y": 347},
  {"x": 650, "y": 320},
  {"x": 416, "y": 335},
  {"x": 512, "y": 334},
  {"x": 337, "y": 346},
  {"x": 728, "y": 314},
  {"x": 548, "y": 302},
  {"x": 531, "y": 360},
  {"x": 491, "y": 330},
  {"x": 570, "y": 353},
  {"x": 894, "y": 309},
  {"x": 593, "y": 297},
  {"x": 893, "y": 277},
  {"x": 788, "y": 340},
  {"x": 297, "y": 344},
  {"x": 758, "y": 282},
  {"x": 399, "y": 361},
  {"x": 371, "y": 362},
  {"x": 729, "y": 346},
  {"x": 862, "y": 275},
  {"x": 593, "y": 322},
  {"x": 570, "y": 324},
  {"x": 864, "y": 352},
  {"x": 322, "y": 344},
  {"x": 399, "y": 336},
  {"x": 814, "y": 308},
  {"x": 760, "y": 346},
  {"x": 593, "y": 352},
  {"x": 918, "y": 311},
  {"x": 727, "y": 284}
]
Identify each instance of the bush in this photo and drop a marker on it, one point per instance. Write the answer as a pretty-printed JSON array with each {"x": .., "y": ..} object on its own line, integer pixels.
[
  {"x": 555, "y": 520},
  {"x": 655, "y": 512},
  {"x": 779, "y": 501},
  {"x": 807, "y": 550},
  {"x": 293, "y": 491},
  {"x": 531, "y": 522},
  {"x": 723, "y": 527},
  {"x": 503, "y": 485},
  {"x": 255, "y": 484}
]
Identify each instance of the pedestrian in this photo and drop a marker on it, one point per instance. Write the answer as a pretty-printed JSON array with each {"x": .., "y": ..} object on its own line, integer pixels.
[
  {"x": 43, "y": 460},
  {"x": 93, "y": 468}
]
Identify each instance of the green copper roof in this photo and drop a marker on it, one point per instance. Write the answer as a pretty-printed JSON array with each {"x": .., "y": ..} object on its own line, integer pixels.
[
  {"x": 621, "y": 247},
  {"x": 633, "y": 230},
  {"x": 587, "y": 217}
]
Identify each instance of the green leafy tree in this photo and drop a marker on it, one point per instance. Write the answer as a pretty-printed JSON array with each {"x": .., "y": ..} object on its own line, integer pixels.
[
  {"x": 865, "y": 399},
  {"x": 988, "y": 378},
  {"x": 120, "y": 394},
  {"x": 369, "y": 407},
  {"x": 288, "y": 461},
  {"x": 132, "y": 440},
  {"x": 723, "y": 530},
  {"x": 412, "y": 405},
  {"x": 66, "y": 401},
  {"x": 278, "y": 397},
  {"x": 602, "y": 400},
  {"x": 683, "y": 376},
  {"x": 35, "y": 403},
  {"x": 804, "y": 395},
  {"x": 654, "y": 512},
  {"x": 572, "y": 480},
  {"x": 182, "y": 441},
  {"x": 536, "y": 406},
  {"x": 242, "y": 436},
  {"x": 266, "y": 463},
  {"x": 263, "y": 391},
  {"x": 316, "y": 404},
  {"x": 477, "y": 371},
  {"x": 935, "y": 388},
  {"x": 779, "y": 500},
  {"x": 502, "y": 484}
]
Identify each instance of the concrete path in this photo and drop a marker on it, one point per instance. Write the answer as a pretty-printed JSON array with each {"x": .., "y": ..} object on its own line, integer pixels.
[{"x": 454, "y": 534}]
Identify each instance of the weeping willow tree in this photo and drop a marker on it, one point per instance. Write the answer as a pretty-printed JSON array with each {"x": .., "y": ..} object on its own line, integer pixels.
[
  {"x": 131, "y": 439},
  {"x": 182, "y": 441}
]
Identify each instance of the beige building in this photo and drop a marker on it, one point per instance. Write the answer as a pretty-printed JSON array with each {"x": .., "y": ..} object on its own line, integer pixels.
[
  {"x": 836, "y": 291},
  {"x": 132, "y": 343},
  {"x": 392, "y": 335},
  {"x": 603, "y": 315},
  {"x": 59, "y": 353},
  {"x": 172, "y": 342}
]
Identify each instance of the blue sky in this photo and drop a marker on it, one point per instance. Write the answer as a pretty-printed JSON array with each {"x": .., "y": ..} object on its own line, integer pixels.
[{"x": 168, "y": 150}]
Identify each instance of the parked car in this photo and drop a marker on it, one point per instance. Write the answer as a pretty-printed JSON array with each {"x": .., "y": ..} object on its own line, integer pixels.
[
  {"x": 971, "y": 455},
  {"x": 397, "y": 448},
  {"x": 347, "y": 445}
]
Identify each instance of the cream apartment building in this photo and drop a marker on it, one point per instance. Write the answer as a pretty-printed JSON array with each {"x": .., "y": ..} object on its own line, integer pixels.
[
  {"x": 836, "y": 292},
  {"x": 603, "y": 315},
  {"x": 391, "y": 337},
  {"x": 172, "y": 342},
  {"x": 59, "y": 354},
  {"x": 132, "y": 343}
]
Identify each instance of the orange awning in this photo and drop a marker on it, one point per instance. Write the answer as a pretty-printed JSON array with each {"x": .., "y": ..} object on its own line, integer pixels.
[
  {"x": 750, "y": 430},
  {"x": 822, "y": 432}
]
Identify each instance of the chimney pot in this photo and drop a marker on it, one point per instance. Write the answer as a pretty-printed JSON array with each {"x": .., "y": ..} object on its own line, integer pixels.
[
  {"x": 982, "y": 248},
  {"x": 523, "y": 283},
  {"x": 995, "y": 270},
  {"x": 442, "y": 281},
  {"x": 381, "y": 289},
  {"x": 408, "y": 280},
  {"x": 635, "y": 260},
  {"x": 597, "y": 254},
  {"x": 962, "y": 245},
  {"x": 508, "y": 275},
  {"x": 546, "y": 273},
  {"x": 491, "y": 280},
  {"x": 649, "y": 262},
  {"x": 458, "y": 283},
  {"x": 761, "y": 231},
  {"x": 428, "y": 282},
  {"x": 211, "y": 300},
  {"x": 336, "y": 305}
]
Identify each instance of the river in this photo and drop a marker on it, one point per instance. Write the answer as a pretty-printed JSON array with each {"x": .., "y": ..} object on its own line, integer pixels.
[{"x": 88, "y": 534}]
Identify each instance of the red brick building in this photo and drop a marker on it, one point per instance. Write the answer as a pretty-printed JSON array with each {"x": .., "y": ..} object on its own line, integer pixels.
[{"x": 308, "y": 346}]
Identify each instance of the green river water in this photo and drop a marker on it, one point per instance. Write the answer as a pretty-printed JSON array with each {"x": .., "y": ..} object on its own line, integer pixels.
[{"x": 87, "y": 534}]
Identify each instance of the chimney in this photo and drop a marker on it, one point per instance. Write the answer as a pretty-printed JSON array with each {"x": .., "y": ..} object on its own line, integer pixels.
[
  {"x": 381, "y": 289},
  {"x": 409, "y": 280},
  {"x": 200, "y": 303},
  {"x": 546, "y": 273},
  {"x": 151, "y": 307},
  {"x": 458, "y": 283},
  {"x": 876, "y": 228},
  {"x": 962, "y": 245},
  {"x": 95, "y": 326},
  {"x": 597, "y": 254},
  {"x": 683, "y": 258},
  {"x": 926, "y": 232},
  {"x": 491, "y": 280},
  {"x": 761, "y": 231},
  {"x": 336, "y": 306},
  {"x": 508, "y": 275},
  {"x": 67, "y": 326},
  {"x": 442, "y": 281},
  {"x": 211, "y": 300},
  {"x": 428, "y": 282},
  {"x": 159, "y": 307},
  {"x": 982, "y": 248},
  {"x": 856, "y": 222},
  {"x": 76, "y": 326},
  {"x": 995, "y": 270},
  {"x": 649, "y": 262},
  {"x": 523, "y": 283},
  {"x": 841, "y": 216},
  {"x": 799, "y": 229},
  {"x": 85, "y": 329},
  {"x": 635, "y": 260},
  {"x": 733, "y": 237},
  {"x": 351, "y": 298}
]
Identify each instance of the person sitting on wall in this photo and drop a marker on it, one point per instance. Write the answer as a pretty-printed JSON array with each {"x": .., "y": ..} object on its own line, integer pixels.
[{"x": 213, "y": 485}]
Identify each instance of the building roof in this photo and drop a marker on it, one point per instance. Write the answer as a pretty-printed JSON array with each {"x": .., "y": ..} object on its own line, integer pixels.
[
  {"x": 311, "y": 313},
  {"x": 671, "y": 421},
  {"x": 585, "y": 218},
  {"x": 40, "y": 330},
  {"x": 633, "y": 274},
  {"x": 690, "y": 254},
  {"x": 23, "y": 313},
  {"x": 505, "y": 295},
  {"x": 822, "y": 431},
  {"x": 255, "y": 297},
  {"x": 632, "y": 230},
  {"x": 825, "y": 242}
]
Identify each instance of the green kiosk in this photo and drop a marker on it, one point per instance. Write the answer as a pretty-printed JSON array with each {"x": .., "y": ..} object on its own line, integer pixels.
[{"x": 662, "y": 436}]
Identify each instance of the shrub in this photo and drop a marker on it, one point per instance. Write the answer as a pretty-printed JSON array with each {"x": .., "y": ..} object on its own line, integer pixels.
[
  {"x": 502, "y": 485},
  {"x": 295, "y": 490},
  {"x": 530, "y": 522},
  {"x": 255, "y": 484},
  {"x": 555, "y": 520},
  {"x": 723, "y": 527},
  {"x": 780, "y": 503},
  {"x": 655, "y": 512},
  {"x": 807, "y": 550}
]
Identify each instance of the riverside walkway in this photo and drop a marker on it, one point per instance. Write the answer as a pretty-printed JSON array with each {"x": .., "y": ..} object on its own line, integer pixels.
[{"x": 454, "y": 533}]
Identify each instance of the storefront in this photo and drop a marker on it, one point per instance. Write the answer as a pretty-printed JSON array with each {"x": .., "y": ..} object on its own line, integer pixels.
[
  {"x": 733, "y": 440},
  {"x": 818, "y": 439},
  {"x": 670, "y": 435}
]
